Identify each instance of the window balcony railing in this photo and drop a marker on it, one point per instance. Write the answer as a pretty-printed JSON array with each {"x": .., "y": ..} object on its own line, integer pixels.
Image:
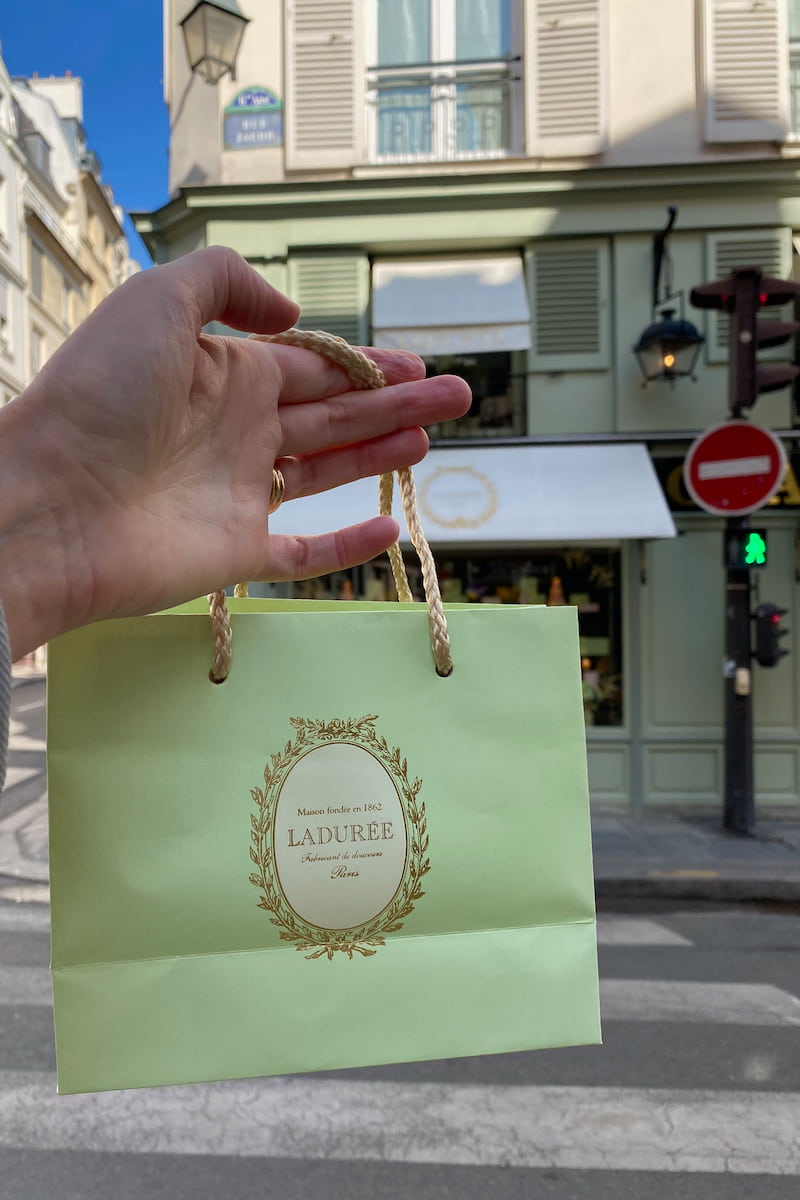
[{"x": 442, "y": 111}]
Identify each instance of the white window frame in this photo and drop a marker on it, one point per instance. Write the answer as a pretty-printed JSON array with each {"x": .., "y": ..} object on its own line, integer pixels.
[
  {"x": 37, "y": 273},
  {"x": 5, "y": 316},
  {"x": 37, "y": 359},
  {"x": 794, "y": 59},
  {"x": 4, "y": 213},
  {"x": 444, "y": 79}
]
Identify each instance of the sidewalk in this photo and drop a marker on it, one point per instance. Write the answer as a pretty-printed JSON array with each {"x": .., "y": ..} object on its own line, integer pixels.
[
  {"x": 687, "y": 857},
  {"x": 673, "y": 857}
]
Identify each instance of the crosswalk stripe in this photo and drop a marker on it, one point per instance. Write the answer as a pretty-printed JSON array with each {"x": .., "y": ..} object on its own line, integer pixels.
[
  {"x": 635, "y": 931},
  {"x": 15, "y": 775},
  {"x": 23, "y": 892},
  {"x": 759, "y": 1004},
  {"x": 529, "y": 1127},
  {"x": 679, "y": 1000},
  {"x": 25, "y": 985},
  {"x": 19, "y": 918}
]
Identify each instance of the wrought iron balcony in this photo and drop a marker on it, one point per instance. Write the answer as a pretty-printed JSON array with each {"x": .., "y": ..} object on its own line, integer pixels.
[{"x": 443, "y": 111}]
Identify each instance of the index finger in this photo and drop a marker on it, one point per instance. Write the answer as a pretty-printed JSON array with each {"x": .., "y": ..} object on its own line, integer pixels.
[{"x": 307, "y": 375}]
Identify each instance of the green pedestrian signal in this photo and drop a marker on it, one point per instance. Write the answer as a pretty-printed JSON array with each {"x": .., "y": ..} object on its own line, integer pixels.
[
  {"x": 755, "y": 551},
  {"x": 745, "y": 548}
]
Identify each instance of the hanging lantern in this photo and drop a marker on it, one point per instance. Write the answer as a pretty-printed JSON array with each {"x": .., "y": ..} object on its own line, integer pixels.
[
  {"x": 213, "y": 32},
  {"x": 668, "y": 349}
]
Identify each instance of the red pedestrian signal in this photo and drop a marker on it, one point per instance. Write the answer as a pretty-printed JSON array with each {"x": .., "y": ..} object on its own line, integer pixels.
[{"x": 768, "y": 635}]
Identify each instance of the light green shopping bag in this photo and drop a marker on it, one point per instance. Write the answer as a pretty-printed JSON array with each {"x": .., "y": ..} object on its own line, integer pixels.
[{"x": 336, "y": 858}]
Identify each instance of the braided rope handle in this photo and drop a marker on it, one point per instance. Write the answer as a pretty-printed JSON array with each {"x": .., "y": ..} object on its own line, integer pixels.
[{"x": 364, "y": 374}]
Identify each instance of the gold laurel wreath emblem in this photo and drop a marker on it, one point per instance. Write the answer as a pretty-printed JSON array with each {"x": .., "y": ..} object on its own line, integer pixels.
[
  {"x": 315, "y": 941},
  {"x": 426, "y": 501}
]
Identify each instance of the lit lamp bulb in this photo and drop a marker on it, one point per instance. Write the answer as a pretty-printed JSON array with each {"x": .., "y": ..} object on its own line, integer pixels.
[{"x": 669, "y": 360}]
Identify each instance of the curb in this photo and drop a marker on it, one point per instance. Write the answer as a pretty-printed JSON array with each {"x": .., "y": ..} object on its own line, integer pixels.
[{"x": 741, "y": 891}]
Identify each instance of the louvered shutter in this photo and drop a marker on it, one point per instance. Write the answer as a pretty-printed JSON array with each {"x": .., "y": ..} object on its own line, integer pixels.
[
  {"x": 333, "y": 294},
  {"x": 769, "y": 249},
  {"x": 325, "y": 84},
  {"x": 568, "y": 284},
  {"x": 746, "y": 70},
  {"x": 565, "y": 77}
]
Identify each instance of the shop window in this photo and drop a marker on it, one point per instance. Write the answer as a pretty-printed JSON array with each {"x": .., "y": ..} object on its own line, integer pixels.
[
  {"x": 589, "y": 578},
  {"x": 497, "y": 382}
]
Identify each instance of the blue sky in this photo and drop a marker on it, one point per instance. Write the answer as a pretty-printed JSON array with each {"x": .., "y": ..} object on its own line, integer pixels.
[{"x": 115, "y": 48}]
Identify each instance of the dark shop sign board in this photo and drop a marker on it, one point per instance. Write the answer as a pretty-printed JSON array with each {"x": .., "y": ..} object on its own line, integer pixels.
[{"x": 670, "y": 476}]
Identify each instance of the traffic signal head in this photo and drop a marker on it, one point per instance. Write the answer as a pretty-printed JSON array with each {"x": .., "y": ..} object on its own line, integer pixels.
[
  {"x": 745, "y": 548},
  {"x": 744, "y": 293},
  {"x": 723, "y": 294},
  {"x": 768, "y": 634}
]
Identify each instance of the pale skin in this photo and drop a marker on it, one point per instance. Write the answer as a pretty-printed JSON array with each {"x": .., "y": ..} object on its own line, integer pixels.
[{"x": 135, "y": 471}]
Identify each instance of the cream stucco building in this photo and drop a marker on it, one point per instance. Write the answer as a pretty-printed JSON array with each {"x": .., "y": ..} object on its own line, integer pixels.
[
  {"x": 13, "y": 268},
  {"x": 62, "y": 244},
  {"x": 481, "y": 180}
]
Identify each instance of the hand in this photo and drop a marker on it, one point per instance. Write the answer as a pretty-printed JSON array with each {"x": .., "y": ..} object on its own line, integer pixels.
[{"x": 135, "y": 471}]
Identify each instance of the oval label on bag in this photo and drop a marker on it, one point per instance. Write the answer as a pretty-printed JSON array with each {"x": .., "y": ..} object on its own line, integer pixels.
[
  {"x": 339, "y": 837},
  {"x": 340, "y": 840}
]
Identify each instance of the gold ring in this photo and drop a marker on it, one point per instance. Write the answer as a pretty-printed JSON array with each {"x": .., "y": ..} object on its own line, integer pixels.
[{"x": 278, "y": 489}]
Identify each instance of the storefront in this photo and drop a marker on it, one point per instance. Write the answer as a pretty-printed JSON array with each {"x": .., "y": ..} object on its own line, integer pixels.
[{"x": 528, "y": 524}]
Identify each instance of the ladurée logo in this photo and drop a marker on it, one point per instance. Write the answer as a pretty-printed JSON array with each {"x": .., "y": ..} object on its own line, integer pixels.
[
  {"x": 341, "y": 875},
  {"x": 458, "y": 498}
]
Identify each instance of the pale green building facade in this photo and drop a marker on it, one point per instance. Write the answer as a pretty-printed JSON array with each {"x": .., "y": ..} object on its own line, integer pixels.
[{"x": 482, "y": 182}]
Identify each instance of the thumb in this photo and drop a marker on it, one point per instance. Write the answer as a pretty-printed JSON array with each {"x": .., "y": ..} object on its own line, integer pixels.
[{"x": 221, "y": 286}]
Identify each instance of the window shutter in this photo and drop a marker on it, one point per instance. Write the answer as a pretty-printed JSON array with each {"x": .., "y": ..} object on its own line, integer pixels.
[
  {"x": 746, "y": 70},
  {"x": 333, "y": 294},
  {"x": 325, "y": 96},
  {"x": 565, "y": 77},
  {"x": 568, "y": 284},
  {"x": 769, "y": 249}
]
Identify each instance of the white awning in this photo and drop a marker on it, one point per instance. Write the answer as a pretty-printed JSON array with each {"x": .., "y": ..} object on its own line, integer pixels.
[
  {"x": 451, "y": 305},
  {"x": 521, "y": 495}
]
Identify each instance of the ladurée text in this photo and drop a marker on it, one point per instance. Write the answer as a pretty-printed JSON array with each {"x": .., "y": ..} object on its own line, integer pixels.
[{"x": 372, "y": 831}]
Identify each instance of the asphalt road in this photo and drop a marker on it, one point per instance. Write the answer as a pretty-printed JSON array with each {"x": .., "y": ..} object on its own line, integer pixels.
[{"x": 695, "y": 1093}]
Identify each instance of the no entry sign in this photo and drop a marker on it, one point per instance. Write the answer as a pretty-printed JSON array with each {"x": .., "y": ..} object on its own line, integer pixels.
[{"x": 734, "y": 468}]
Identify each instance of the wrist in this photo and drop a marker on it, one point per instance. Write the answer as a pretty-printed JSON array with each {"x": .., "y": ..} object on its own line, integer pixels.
[{"x": 38, "y": 554}]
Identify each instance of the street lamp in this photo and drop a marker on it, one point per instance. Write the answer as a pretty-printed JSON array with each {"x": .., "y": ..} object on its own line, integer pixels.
[
  {"x": 213, "y": 32},
  {"x": 668, "y": 349}
]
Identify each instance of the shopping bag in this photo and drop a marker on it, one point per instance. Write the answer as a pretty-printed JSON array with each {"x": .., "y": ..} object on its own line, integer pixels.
[
  {"x": 336, "y": 858},
  {"x": 342, "y": 855}
]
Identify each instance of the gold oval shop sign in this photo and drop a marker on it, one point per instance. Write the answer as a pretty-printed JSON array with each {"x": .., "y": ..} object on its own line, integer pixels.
[
  {"x": 340, "y": 839},
  {"x": 458, "y": 498}
]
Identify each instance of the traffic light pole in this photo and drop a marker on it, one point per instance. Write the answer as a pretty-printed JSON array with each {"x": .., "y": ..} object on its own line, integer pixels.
[
  {"x": 742, "y": 294},
  {"x": 739, "y": 805}
]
